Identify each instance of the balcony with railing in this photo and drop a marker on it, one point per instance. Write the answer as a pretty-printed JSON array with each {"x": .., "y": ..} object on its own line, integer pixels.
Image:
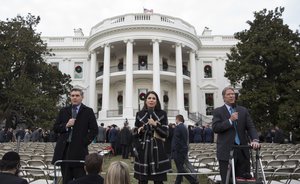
[
  {"x": 137, "y": 67},
  {"x": 143, "y": 19}
]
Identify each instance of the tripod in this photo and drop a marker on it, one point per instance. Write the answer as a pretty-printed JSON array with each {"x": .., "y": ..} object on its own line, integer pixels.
[{"x": 260, "y": 178}]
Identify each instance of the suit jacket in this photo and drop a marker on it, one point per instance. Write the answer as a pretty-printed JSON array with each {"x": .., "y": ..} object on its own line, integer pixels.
[
  {"x": 88, "y": 179},
  {"x": 8, "y": 178},
  {"x": 84, "y": 131},
  {"x": 180, "y": 142},
  {"x": 226, "y": 131}
]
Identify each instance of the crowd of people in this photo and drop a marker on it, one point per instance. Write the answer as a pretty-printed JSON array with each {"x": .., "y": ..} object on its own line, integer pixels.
[
  {"x": 152, "y": 142},
  {"x": 27, "y": 135}
]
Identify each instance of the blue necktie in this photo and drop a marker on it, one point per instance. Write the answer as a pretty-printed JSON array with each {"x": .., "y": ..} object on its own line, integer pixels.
[{"x": 236, "y": 139}]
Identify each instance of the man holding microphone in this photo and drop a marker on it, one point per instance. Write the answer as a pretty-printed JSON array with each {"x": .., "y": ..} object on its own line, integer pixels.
[
  {"x": 77, "y": 128},
  {"x": 233, "y": 124}
]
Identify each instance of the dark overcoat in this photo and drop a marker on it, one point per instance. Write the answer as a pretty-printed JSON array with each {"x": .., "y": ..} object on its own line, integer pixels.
[
  {"x": 84, "y": 131},
  {"x": 152, "y": 162}
]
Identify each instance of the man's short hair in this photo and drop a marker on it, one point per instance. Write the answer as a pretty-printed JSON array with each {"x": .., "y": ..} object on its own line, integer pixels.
[
  {"x": 226, "y": 89},
  {"x": 10, "y": 160},
  {"x": 102, "y": 124},
  {"x": 77, "y": 89},
  {"x": 93, "y": 163},
  {"x": 180, "y": 118}
]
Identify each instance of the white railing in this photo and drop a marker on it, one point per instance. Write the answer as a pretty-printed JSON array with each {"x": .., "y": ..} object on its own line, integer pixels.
[{"x": 141, "y": 18}]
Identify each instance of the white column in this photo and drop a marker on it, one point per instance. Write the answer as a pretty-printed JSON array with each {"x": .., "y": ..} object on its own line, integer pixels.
[
  {"x": 194, "y": 97},
  {"x": 92, "y": 82},
  {"x": 156, "y": 70},
  {"x": 128, "y": 109},
  {"x": 106, "y": 81},
  {"x": 179, "y": 80}
]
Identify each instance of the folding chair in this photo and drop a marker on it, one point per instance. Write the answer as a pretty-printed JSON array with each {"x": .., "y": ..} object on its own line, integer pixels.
[
  {"x": 279, "y": 173},
  {"x": 37, "y": 175}
]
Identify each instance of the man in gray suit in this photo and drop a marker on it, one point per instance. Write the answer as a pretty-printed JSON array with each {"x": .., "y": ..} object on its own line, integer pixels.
[
  {"x": 101, "y": 133},
  {"x": 233, "y": 124}
]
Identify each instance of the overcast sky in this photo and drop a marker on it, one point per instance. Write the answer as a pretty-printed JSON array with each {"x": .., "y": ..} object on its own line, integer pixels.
[{"x": 223, "y": 17}]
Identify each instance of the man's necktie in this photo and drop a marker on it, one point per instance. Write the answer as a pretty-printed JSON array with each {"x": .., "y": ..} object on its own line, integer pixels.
[
  {"x": 236, "y": 139},
  {"x": 74, "y": 115}
]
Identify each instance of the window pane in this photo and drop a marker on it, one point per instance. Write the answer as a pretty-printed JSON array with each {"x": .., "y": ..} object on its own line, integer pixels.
[{"x": 209, "y": 101}]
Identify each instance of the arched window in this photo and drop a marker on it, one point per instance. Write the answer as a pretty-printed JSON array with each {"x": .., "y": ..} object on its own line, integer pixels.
[{"x": 207, "y": 71}]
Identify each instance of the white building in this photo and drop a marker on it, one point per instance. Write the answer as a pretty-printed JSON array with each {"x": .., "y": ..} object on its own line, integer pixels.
[{"x": 127, "y": 55}]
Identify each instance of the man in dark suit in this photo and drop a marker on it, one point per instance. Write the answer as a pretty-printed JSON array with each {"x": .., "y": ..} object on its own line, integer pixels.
[
  {"x": 77, "y": 128},
  {"x": 233, "y": 124},
  {"x": 93, "y": 166},
  {"x": 180, "y": 152},
  {"x": 9, "y": 169}
]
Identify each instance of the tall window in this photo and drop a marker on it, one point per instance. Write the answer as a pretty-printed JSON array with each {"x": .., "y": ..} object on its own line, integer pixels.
[
  {"x": 141, "y": 97},
  {"x": 121, "y": 64},
  {"x": 209, "y": 100},
  {"x": 143, "y": 63},
  {"x": 166, "y": 100},
  {"x": 185, "y": 69},
  {"x": 186, "y": 102},
  {"x": 207, "y": 70},
  {"x": 165, "y": 64},
  {"x": 99, "y": 102},
  {"x": 120, "y": 102},
  {"x": 78, "y": 70}
]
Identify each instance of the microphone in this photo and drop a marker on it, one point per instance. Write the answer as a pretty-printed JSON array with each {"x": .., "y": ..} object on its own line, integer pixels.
[
  {"x": 74, "y": 115},
  {"x": 150, "y": 111},
  {"x": 233, "y": 106}
]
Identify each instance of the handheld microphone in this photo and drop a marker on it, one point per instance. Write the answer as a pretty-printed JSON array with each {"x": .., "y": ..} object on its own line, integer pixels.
[
  {"x": 74, "y": 115},
  {"x": 150, "y": 111},
  {"x": 233, "y": 106}
]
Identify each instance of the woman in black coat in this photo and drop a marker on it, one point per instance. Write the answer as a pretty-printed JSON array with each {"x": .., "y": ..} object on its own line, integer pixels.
[{"x": 151, "y": 124}]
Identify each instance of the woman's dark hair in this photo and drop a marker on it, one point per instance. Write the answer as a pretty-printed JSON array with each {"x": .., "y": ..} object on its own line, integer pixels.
[{"x": 157, "y": 106}]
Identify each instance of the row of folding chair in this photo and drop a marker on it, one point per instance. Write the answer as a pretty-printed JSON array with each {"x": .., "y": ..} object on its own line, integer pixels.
[
  {"x": 280, "y": 157},
  {"x": 275, "y": 164},
  {"x": 284, "y": 176}
]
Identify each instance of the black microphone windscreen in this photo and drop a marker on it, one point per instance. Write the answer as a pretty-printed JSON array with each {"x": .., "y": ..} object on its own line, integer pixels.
[{"x": 150, "y": 111}]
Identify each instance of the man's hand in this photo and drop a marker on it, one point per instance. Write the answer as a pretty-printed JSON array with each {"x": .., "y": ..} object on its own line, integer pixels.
[
  {"x": 70, "y": 123},
  {"x": 234, "y": 116},
  {"x": 255, "y": 145}
]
